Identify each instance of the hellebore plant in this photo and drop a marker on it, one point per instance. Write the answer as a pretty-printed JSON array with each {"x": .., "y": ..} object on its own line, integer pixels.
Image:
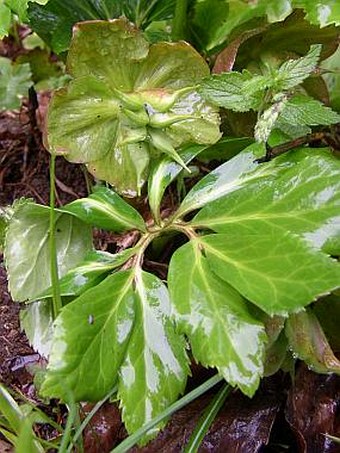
[
  {"x": 256, "y": 241},
  {"x": 128, "y": 102}
]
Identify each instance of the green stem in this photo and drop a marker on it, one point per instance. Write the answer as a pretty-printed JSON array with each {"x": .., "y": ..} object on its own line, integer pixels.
[
  {"x": 53, "y": 249},
  {"x": 72, "y": 414},
  {"x": 179, "y": 23},
  {"x": 77, "y": 424},
  {"x": 136, "y": 436},
  {"x": 15, "y": 32},
  {"x": 207, "y": 419},
  {"x": 87, "y": 419}
]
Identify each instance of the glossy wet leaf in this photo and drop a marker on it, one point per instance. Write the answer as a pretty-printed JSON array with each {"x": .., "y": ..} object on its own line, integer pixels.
[
  {"x": 90, "y": 339},
  {"x": 216, "y": 320},
  {"x": 163, "y": 172},
  {"x": 321, "y": 13},
  {"x": 298, "y": 192},
  {"x": 115, "y": 332},
  {"x": 208, "y": 17},
  {"x": 233, "y": 15},
  {"x": 19, "y": 7},
  {"x": 36, "y": 320},
  {"x": 5, "y": 20},
  {"x": 10, "y": 409},
  {"x": 308, "y": 342},
  {"x": 54, "y": 21},
  {"x": 95, "y": 267},
  {"x": 105, "y": 209},
  {"x": 27, "y": 250},
  {"x": 15, "y": 80},
  {"x": 225, "y": 149},
  {"x": 225, "y": 179},
  {"x": 128, "y": 102},
  {"x": 154, "y": 371},
  {"x": 275, "y": 270}
]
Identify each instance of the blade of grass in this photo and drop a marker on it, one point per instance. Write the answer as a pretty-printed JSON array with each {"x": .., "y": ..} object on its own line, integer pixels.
[
  {"x": 334, "y": 439},
  {"x": 87, "y": 419},
  {"x": 72, "y": 414},
  {"x": 10, "y": 409},
  {"x": 130, "y": 441},
  {"x": 207, "y": 419}
]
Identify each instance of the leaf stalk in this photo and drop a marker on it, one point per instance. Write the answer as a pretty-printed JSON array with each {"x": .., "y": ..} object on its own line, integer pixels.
[{"x": 56, "y": 300}]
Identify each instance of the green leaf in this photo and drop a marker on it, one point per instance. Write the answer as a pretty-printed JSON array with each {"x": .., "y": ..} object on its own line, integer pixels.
[
  {"x": 229, "y": 90},
  {"x": 15, "y": 80},
  {"x": 163, "y": 172},
  {"x": 154, "y": 371},
  {"x": 128, "y": 101},
  {"x": 275, "y": 270},
  {"x": 303, "y": 110},
  {"x": 110, "y": 51},
  {"x": 19, "y": 7},
  {"x": 89, "y": 273},
  {"x": 5, "y": 20},
  {"x": 54, "y": 21},
  {"x": 41, "y": 65},
  {"x": 225, "y": 149},
  {"x": 126, "y": 168},
  {"x": 225, "y": 179},
  {"x": 162, "y": 143},
  {"x": 208, "y": 17},
  {"x": 323, "y": 13},
  {"x": 36, "y": 320},
  {"x": 233, "y": 14},
  {"x": 293, "y": 72},
  {"x": 119, "y": 330},
  {"x": 10, "y": 409},
  {"x": 105, "y": 209},
  {"x": 327, "y": 310},
  {"x": 94, "y": 332},
  {"x": 27, "y": 250},
  {"x": 25, "y": 442},
  {"x": 239, "y": 12},
  {"x": 291, "y": 38},
  {"x": 297, "y": 192},
  {"x": 216, "y": 320},
  {"x": 309, "y": 343}
]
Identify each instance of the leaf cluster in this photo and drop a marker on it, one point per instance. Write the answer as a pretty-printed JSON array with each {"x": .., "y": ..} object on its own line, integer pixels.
[
  {"x": 256, "y": 242},
  {"x": 257, "y": 247},
  {"x": 275, "y": 95}
]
